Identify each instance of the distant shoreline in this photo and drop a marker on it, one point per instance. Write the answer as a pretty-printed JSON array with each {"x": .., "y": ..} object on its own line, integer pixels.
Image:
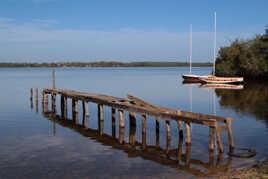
[{"x": 105, "y": 64}]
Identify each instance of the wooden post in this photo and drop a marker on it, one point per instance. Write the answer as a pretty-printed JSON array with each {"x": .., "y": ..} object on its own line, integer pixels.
[
  {"x": 84, "y": 113},
  {"x": 36, "y": 100},
  {"x": 180, "y": 125},
  {"x": 132, "y": 134},
  {"x": 62, "y": 104},
  {"x": 132, "y": 118},
  {"x": 31, "y": 93},
  {"x": 73, "y": 109},
  {"x": 230, "y": 133},
  {"x": 46, "y": 102},
  {"x": 157, "y": 140},
  {"x": 43, "y": 102},
  {"x": 211, "y": 138},
  {"x": 168, "y": 135},
  {"x": 53, "y": 99},
  {"x": 143, "y": 117},
  {"x": 179, "y": 151},
  {"x": 87, "y": 110},
  {"x": 121, "y": 118},
  {"x": 121, "y": 134},
  {"x": 66, "y": 107},
  {"x": 31, "y": 98},
  {"x": 53, "y": 79},
  {"x": 219, "y": 159},
  {"x": 188, "y": 132},
  {"x": 188, "y": 155},
  {"x": 113, "y": 122},
  {"x": 100, "y": 112},
  {"x": 218, "y": 137},
  {"x": 211, "y": 158},
  {"x": 101, "y": 127}
]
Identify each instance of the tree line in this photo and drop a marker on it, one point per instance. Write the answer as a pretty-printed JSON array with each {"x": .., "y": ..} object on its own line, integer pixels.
[{"x": 105, "y": 64}]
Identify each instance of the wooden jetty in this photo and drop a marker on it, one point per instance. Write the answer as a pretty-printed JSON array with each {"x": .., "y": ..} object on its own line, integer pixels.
[
  {"x": 174, "y": 158},
  {"x": 135, "y": 105}
]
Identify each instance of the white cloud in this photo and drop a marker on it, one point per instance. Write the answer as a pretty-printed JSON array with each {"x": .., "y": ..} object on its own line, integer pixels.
[{"x": 30, "y": 41}]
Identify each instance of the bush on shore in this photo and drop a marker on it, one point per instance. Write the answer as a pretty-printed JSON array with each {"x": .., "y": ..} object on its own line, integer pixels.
[{"x": 246, "y": 58}]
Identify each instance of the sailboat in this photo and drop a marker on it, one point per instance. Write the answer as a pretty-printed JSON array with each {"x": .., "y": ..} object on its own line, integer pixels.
[
  {"x": 190, "y": 77},
  {"x": 213, "y": 78}
]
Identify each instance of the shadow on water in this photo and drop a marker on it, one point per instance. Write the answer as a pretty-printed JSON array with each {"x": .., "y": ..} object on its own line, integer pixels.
[{"x": 253, "y": 100}]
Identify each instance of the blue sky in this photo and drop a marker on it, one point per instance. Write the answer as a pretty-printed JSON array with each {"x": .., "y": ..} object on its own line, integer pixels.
[{"x": 123, "y": 30}]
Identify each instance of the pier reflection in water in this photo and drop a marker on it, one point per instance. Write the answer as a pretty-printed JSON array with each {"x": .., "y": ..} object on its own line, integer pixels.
[
  {"x": 175, "y": 158},
  {"x": 253, "y": 100}
]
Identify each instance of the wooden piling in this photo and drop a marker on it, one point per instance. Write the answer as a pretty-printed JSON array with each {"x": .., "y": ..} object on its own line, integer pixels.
[
  {"x": 211, "y": 138},
  {"x": 36, "y": 100},
  {"x": 66, "y": 107},
  {"x": 121, "y": 118},
  {"x": 157, "y": 137},
  {"x": 62, "y": 104},
  {"x": 46, "y": 102},
  {"x": 53, "y": 79},
  {"x": 218, "y": 137},
  {"x": 230, "y": 133},
  {"x": 100, "y": 112},
  {"x": 31, "y": 93},
  {"x": 188, "y": 132},
  {"x": 143, "y": 118},
  {"x": 101, "y": 127},
  {"x": 168, "y": 135},
  {"x": 180, "y": 125},
  {"x": 31, "y": 98},
  {"x": 132, "y": 134},
  {"x": 132, "y": 118},
  {"x": 87, "y": 109},
  {"x": 188, "y": 155},
  {"x": 179, "y": 150},
  {"x": 121, "y": 134},
  {"x": 113, "y": 122}
]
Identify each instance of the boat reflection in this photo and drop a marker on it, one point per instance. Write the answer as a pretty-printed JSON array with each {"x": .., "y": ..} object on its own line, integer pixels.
[
  {"x": 174, "y": 158},
  {"x": 221, "y": 86},
  {"x": 188, "y": 82}
]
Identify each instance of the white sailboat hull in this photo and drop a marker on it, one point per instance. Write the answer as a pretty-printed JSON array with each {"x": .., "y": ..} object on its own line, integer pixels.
[{"x": 214, "y": 79}]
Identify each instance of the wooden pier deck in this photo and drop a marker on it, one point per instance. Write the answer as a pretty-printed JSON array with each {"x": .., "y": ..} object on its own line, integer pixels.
[{"x": 135, "y": 105}]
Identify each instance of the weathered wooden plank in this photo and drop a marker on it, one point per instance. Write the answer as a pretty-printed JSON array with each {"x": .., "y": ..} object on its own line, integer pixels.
[{"x": 123, "y": 104}]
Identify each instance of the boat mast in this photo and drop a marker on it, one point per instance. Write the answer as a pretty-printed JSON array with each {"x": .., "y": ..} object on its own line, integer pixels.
[
  {"x": 190, "y": 49},
  {"x": 214, "y": 57}
]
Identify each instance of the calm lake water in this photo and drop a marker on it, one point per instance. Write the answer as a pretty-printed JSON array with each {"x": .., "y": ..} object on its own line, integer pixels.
[{"x": 34, "y": 146}]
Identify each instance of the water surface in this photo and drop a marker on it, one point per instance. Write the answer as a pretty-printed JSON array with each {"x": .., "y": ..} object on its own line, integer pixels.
[{"x": 34, "y": 145}]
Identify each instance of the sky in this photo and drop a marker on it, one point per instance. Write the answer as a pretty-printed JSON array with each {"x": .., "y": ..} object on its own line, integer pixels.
[{"x": 123, "y": 30}]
